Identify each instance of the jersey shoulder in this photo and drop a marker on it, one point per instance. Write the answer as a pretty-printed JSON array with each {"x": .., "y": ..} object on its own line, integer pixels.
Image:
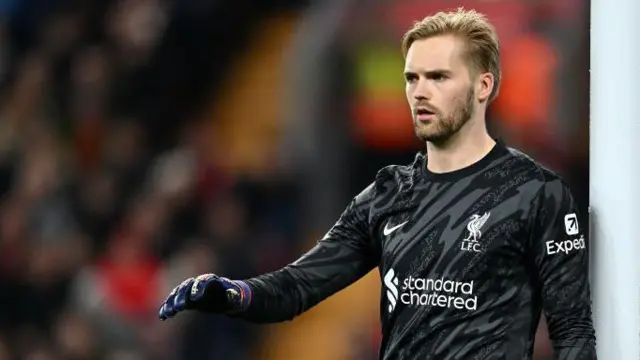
[
  {"x": 391, "y": 186},
  {"x": 399, "y": 178},
  {"x": 540, "y": 180},
  {"x": 537, "y": 171}
]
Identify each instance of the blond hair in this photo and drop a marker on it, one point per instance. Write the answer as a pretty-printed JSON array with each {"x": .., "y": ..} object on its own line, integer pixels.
[{"x": 483, "y": 46}]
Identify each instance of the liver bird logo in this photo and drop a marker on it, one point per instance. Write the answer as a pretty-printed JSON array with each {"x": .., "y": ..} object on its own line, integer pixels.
[{"x": 474, "y": 226}]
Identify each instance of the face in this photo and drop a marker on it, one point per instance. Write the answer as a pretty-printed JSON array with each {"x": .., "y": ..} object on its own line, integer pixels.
[{"x": 439, "y": 87}]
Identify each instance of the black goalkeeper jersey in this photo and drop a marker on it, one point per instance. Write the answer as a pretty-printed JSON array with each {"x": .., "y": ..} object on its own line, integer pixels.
[{"x": 468, "y": 260}]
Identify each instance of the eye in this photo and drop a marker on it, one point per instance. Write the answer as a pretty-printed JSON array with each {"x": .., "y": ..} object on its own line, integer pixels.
[
  {"x": 438, "y": 77},
  {"x": 410, "y": 78}
]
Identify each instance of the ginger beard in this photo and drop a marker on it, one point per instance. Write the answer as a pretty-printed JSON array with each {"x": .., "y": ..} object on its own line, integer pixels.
[{"x": 443, "y": 126}]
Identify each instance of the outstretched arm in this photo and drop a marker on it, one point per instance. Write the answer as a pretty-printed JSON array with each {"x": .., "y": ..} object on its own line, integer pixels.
[{"x": 342, "y": 256}]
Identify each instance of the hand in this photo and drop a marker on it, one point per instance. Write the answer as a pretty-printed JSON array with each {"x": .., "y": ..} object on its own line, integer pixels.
[{"x": 206, "y": 293}]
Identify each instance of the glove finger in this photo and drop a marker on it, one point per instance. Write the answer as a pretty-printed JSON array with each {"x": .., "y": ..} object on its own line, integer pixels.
[
  {"x": 162, "y": 313},
  {"x": 167, "y": 311},
  {"x": 180, "y": 300}
]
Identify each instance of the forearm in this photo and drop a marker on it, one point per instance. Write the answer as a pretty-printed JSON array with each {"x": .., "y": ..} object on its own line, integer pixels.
[
  {"x": 572, "y": 335},
  {"x": 345, "y": 254},
  {"x": 579, "y": 350},
  {"x": 275, "y": 297},
  {"x": 567, "y": 302},
  {"x": 286, "y": 293}
]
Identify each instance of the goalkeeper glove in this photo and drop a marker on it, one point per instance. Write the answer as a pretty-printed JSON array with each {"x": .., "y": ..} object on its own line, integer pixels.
[{"x": 207, "y": 293}]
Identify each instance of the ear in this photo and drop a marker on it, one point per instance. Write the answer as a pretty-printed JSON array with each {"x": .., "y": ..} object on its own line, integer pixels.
[{"x": 484, "y": 86}]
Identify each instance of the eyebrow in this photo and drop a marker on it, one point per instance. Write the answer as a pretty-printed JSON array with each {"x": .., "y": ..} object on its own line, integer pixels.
[{"x": 429, "y": 73}]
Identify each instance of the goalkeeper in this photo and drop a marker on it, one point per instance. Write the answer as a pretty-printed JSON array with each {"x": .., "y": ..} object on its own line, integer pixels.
[{"x": 473, "y": 240}]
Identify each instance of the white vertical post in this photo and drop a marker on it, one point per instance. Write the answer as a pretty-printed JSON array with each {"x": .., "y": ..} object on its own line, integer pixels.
[{"x": 615, "y": 176}]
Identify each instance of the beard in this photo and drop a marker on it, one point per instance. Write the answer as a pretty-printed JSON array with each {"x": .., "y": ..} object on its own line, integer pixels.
[{"x": 446, "y": 125}]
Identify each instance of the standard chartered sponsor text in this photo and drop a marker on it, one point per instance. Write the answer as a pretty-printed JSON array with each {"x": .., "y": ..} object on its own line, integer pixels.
[{"x": 438, "y": 292}]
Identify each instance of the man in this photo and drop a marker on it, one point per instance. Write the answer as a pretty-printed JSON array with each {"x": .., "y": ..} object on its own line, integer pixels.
[{"x": 472, "y": 240}]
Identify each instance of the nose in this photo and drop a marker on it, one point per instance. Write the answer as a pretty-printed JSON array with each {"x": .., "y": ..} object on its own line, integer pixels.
[{"x": 422, "y": 90}]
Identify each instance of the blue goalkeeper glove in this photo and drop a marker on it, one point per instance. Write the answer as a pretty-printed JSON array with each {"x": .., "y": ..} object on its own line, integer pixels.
[{"x": 207, "y": 293}]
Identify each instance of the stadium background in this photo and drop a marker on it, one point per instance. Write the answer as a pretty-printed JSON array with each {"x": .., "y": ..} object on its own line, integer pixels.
[{"x": 145, "y": 141}]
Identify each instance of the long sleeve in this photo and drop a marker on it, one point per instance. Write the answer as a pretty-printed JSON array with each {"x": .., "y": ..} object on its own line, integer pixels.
[
  {"x": 561, "y": 258},
  {"x": 341, "y": 257}
]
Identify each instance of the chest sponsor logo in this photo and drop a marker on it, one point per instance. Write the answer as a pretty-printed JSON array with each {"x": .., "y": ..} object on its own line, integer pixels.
[{"x": 437, "y": 292}]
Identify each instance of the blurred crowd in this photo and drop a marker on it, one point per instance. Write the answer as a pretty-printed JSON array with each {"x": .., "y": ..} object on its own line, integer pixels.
[
  {"x": 111, "y": 190},
  {"x": 120, "y": 175}
]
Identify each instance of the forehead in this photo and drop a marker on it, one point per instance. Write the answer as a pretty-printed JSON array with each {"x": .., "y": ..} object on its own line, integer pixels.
[{"x": 438, "y": 52}]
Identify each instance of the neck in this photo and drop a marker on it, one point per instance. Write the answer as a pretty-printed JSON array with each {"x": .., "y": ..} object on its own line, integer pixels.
[{"x": 463, "y": 149}]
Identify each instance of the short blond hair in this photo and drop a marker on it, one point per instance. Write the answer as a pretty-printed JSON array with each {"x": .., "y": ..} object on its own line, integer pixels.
[{"x": 483, "y": 46}]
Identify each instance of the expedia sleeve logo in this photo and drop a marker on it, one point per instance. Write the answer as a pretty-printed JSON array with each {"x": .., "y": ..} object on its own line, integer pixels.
[
  {"x": 567, "y": 246},
  {"x": 571, "y": 224}
]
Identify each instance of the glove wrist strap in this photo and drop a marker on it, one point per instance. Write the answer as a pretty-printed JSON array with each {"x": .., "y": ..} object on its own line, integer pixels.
[
  {"x": 245, "y": 294},
  {"x": 241, "y": 298}
]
